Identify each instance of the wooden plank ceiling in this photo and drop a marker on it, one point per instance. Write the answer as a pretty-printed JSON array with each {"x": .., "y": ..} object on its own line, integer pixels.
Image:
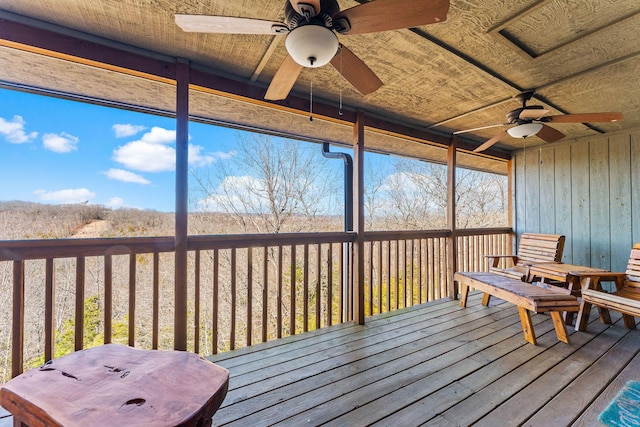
[{"x": 579, "y": 56}]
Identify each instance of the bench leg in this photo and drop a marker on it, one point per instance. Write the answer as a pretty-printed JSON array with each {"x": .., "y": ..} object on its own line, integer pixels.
[
  {"x": 629, "y": 321},
  {"x": 464, "y": 294},
  {"x": 559, "y": 324},
  {"x": 583, "y": 316},
  {"x": 527, "y": 326},
  {"x": 485, "y": 299},
  {"x": 605, "y": 317}
]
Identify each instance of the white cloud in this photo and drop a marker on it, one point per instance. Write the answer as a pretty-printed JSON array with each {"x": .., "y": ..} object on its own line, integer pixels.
[
  {"x": 70, "y": 195},
  {"x": 14, "y": 132},
  {"x": 62, "y": 143},
  {"x": 115, "y": 202},
  {"x": 124, "y": 130},
  {"x": 146, "y": 157},
  {"x": 126, "y": 176},
  {"x": 152, "y": 153},
  {"x": 198, "y": 159},
  {"x": 158, "y": 135}
]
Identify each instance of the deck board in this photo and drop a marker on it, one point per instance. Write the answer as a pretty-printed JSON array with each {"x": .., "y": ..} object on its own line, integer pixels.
[{"x": 433, "y": 364}]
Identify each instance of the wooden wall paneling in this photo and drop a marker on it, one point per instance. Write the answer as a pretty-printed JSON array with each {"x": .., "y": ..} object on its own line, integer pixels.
[
  {"x": 563, "y": 206},
  {"x": 635, "y": 187},
  {"x": 620, "y": 200},
  {"x": 532, "y": 198},
  {"x": 580, "y": 231},
  {"x": 599, "y": 203},
  {"x": 547, "y": 190},
  {"x": 519, "y": 184}
]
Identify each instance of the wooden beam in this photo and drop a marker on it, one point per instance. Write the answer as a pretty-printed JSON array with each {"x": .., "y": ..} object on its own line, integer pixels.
[
  {"x": 50, "y": 40},
  {"x": 182, "y": 170},
  {"x": 358, "y": 211}
]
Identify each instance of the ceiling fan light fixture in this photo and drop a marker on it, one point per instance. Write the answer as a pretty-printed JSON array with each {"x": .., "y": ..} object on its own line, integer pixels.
[
  {"x": 312, "y": 45},
  {"x": 524, "y": 130}
]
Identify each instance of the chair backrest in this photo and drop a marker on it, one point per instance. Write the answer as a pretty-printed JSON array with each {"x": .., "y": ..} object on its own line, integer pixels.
[
  {"x": 633, "y": 267},
  {"x": 537, "y": 248}
]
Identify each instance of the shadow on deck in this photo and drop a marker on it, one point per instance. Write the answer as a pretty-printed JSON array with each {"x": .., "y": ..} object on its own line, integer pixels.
[{"x": 432, "y": 364}]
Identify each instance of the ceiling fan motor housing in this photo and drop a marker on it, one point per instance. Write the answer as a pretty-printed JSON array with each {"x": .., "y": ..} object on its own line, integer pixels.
[{"x": 307, "y": 15}]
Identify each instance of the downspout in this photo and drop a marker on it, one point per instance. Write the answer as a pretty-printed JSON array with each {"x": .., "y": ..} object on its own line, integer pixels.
[
  {"x": 348, "y": 183},
  {"x": 348, "y": 216}
]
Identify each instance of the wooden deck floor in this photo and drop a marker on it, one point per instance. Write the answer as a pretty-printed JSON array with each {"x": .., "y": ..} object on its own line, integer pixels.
[{"x": 434, "y": 364}]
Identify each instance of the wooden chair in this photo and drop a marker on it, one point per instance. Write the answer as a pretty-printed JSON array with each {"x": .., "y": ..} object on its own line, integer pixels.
[
  {"x": 533, "y": 249},
  {"x": 625, "y": 299}
]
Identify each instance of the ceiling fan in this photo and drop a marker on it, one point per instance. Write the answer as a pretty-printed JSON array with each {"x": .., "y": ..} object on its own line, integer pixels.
[
  {"x": 530, "y": 120},
  {"x": 311, "y": 27}
]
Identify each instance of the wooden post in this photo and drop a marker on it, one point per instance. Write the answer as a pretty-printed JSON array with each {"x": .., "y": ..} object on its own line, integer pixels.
[
  {"x": 358, "y": 210},
  {"x": 182, "y": 137},
  {"x": 452, "y": 263}
]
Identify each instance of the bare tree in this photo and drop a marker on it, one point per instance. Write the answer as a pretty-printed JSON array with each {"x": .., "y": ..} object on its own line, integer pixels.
[{"x": 269, "y": 181}]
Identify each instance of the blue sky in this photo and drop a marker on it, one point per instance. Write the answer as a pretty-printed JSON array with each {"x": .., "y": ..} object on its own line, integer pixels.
[{"x": 58, "y": 151}]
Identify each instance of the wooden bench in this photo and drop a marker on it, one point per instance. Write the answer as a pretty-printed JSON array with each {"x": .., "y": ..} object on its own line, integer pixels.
[
  {"x": 533, "y": 249},
  {"x": 528, "y": 297},
  {"x": 115, "y": 385},
  {"x": 625, "y": 299}
]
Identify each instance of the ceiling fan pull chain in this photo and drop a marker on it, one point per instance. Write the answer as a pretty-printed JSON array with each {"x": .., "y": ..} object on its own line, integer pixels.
[{"x": 311, "y": 102}]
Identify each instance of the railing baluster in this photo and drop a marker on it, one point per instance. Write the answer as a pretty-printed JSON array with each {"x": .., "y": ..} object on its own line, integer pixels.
[
  {"x": 156, "y": 302},
  {"x": 388, "y": 245},
  {"x": 342, "y": 285},
  {"x": 108, "y": 298},
  {"x": 215, "y": 303},
  {"x": 305, "y": 288},
  {"x": 49, "y": 310},
  {"x": 249, "y": 336},
  {"x": 379, "y": 264},
  {"x": 132, "y": 300},
  {"x": 79, "y": 325},
  {"x": 17, "y": 338},
  {"x": 292, "y": 292},
  {"x": 330, "y": 285},
  {"x": 370, "y": 276},
  {"x": 232, "y": 337},
  {"x": 265, "y": 293},
  {"x": 196, "y": 305},
  {"x": 279, "y": 294},
  {"x": 318, "y": 285}
]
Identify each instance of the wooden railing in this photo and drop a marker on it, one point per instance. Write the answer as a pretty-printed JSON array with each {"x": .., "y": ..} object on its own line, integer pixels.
[
  {"x": 243, "y": 289},
  {"x": 473, "y": 244}
]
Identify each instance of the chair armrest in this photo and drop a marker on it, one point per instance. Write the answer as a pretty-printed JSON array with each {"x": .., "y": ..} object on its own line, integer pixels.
[{"x": 494, "y": 259}]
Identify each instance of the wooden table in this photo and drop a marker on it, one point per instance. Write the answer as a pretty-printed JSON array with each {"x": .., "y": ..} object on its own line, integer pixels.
[
  {"x": 115, "y": 385},
  {"x": 566, "y": 274}
]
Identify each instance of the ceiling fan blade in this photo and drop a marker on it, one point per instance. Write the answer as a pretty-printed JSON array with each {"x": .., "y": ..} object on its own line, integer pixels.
[
  {"x": 228, "y": 25},
  {"x": 490, "y": 142},
  {"x": 384, "y": 15},
  {"x": 355, "y": 71},
  {"x": 549, "y": 134},
  {"x": 584, "y": 118},
  {"x": 314, "y": 3},
  {"x": 283, "y": 80},
  {"x": 480, "y": 128},
  {"x": 532, "y": 113}
]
